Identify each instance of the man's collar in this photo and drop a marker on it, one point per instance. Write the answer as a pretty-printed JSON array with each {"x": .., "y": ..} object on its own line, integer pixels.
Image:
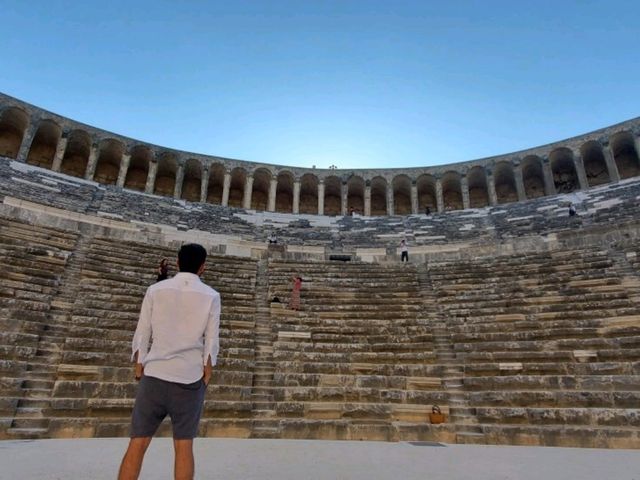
[{"x": 187, "y": 275}]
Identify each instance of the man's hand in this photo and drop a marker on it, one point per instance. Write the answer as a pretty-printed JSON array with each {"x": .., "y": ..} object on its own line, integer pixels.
[
  {"x": 206, "y": 376},
  {"x": 139, "y": 371},
  {"x": 206, "y": 373}
]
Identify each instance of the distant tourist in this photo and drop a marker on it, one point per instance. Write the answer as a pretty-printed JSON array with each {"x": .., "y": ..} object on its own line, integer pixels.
[
  {"x": 352, "y": 211},
  {"x": 182, "y": 318},
  {"x": 572, "y": 210},
  {"x": 427, "y": 211},
  {"x": 404, "y": 251},
  {"x": 163, "y": 270},
  {"x": 272, "y": 239},
  {"x": 294, "y": 302}
]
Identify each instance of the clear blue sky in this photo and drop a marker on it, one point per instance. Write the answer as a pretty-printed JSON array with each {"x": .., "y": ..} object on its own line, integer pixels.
[{"x": 358, "y": 84}]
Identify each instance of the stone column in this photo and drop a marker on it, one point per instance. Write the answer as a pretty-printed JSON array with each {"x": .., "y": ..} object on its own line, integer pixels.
[
  {"x": 414, "y": 197},
  {"x": 344, "y": 197},
  {"x": 390, "y": 206},
  {"x": 248, "y": 190},
  {"x": 321, "y": 198},
  {"x": 612, "y": 167},
  {"x": 151, "y": 177},
  {"x": 549, "y": 185},
  {"x": 464, "y": 186},
  {"x": 273, "y": 187},
  {"x": 367, "y": 200},
  {"x": 226, "y": 185},
  {"x": 580, "y": 171},
  {"x": 27, "y": 139},
  {"x": 124, "y": 168},
  {"x": 491, "y": 188},
  {"x": 439, "y": 196},
  {"x": 92, "y": 163},
  {"x": 296, "y": 196},
  {"x": 517, "y": 173},
  {"x": 204, "y": 185},
  {"x": 60, "y": 149},
  {"x": 177, "y": 190}
]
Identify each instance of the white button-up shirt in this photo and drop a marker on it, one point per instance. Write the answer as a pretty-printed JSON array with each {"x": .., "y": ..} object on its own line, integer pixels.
[{"x": 182, "y": 315}]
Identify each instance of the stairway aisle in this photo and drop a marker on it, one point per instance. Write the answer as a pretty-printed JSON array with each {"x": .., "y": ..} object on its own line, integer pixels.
[
  {"x": 460, "y": 414},
  {"x": 265, "y": 424},
  {"x": 31, "y": 419}
]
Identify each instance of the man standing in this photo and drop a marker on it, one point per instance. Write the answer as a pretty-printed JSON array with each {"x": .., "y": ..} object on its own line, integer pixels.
[{"x": 182, "y": 315}]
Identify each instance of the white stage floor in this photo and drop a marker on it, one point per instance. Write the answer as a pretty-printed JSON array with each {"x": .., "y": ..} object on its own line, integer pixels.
[{"x": 228, "y": 459}]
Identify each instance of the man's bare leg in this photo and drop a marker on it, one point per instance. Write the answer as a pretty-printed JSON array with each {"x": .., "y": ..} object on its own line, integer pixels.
[
  {"x": 184, "y": 466},
  {"x": 132, "y": 461}
]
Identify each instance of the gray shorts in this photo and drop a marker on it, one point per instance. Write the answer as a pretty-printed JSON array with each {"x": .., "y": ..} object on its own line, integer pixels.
[{"x": 158, "y": 398}]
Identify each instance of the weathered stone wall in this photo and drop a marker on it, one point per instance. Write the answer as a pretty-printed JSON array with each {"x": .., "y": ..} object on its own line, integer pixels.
[{"x": 41, "y": 138}]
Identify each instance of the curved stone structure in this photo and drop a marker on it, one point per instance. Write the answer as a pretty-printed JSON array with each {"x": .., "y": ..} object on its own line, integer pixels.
[{"x": 35, "y": 136}]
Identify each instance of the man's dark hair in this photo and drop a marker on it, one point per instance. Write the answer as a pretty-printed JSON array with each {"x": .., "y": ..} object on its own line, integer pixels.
[{"x": 191, "y": 257}]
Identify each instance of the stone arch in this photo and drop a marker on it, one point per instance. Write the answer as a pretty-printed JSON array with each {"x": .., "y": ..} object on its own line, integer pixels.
[
  {"x": 166, "y": 175},
  {"x": 236, "y": 188},
  {"x": 533, "y": 176},
  {"x": 216, "y": 183},
  {"x": 260, "y": 191},
  {"x": 192, "y": 180},
  {"x": 309, "y": 194},
  {"x": 595, "y": 165},
  {"x": 452, "y": 191},
  {"x": 44, "y": 144},
  {"x": 109, "y": 159},
  {"x": 505, "y": 182},
  {"x": 76, "y": 155},
  {"x": 478, "y": 192},
  {"x": 565, "y": 176},
  {"x": 625, "y": 154},
  {"x": 138, "y": 171},
  {"x": 401, "y": 195},
  {"x": 284, "y": 192},
  {"x": 355, "y": 195},
  {"x": 332, "y": 196},
  {"x": 378, "y": 196},
  {"x": 427, "y": 196},
  {"x": 13, "y": 123}
]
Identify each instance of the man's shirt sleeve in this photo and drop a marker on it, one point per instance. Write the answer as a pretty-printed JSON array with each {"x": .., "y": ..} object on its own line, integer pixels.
[
  {"x": 212, "y": 332},
  {"x": 143, "y": 330}
]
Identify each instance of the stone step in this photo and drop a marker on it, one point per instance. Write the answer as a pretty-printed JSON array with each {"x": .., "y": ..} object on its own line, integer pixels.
[
  {"x": 27, "y": 433},
  {"x": 30, "y": 423}
]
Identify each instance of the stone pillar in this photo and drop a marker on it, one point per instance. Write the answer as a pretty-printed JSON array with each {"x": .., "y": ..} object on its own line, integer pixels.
[
  {"x": 151, "y": 177},
  {"x": 92, "y": 163},
  {"x": 226, "y": 186},
  {"x": 580, "y": 171},
  {"x": 27, "y": 138},
  {"x": 491, "y": 188},
  {"x": 390, "y": 206},
  {"x": 464, "y": 186},
  {"x": 344, "y": 197},
  {"x": 367, "y": 200},
  {"x": 517, "y": 173},
  {"x": 273, "y": 187},
  {"x": 177, "y": 190},
  {"x": 549, "y": 185},
  {"x": 439, "y": 196},
  {"x": 204, "y": 185},
  {"x": 124, "y": 168},
  {"x": 248, "y": 190},
  {"x": 612, "y": 167},
  {"x": 321, "y": 198},
  {"x": 60, "y": 149},
  {"x": 296, "y": 196},
  {"x": 414, "y": 197}
]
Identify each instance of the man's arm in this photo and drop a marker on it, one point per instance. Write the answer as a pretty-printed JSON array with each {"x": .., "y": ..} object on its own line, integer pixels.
[
  {"x": 140, "y": 344},
  {"x": 212, "y": 339}
]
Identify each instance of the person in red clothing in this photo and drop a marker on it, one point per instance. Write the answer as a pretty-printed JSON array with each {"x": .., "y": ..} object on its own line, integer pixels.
[{"x": 294, "y": 302}]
